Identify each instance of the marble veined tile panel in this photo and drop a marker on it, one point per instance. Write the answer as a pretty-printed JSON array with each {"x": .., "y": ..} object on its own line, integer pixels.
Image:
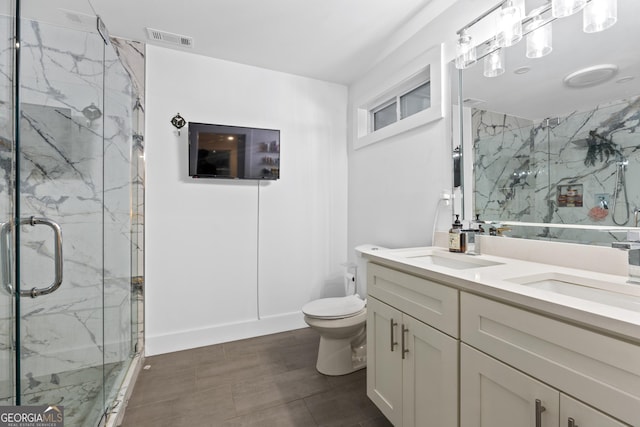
[{"x": 518, "y": 167}]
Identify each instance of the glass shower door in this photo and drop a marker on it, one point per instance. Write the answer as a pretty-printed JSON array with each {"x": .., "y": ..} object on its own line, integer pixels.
[
  {"x": 7, "y": 315},
  {"x": 60, "y": 185}
]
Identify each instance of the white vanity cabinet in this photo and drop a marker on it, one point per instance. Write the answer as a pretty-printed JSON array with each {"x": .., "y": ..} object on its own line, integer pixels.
[
  {"x": 448, "y": 354},
  {"x": 577, "y": 414},
  {"x": 597, "y": 369},
  {"x": 412, "y": 368},
  {"x": 493, "y": 394}
]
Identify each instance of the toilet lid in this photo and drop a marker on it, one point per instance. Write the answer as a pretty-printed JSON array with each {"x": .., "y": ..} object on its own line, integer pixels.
[{"x": 334, "y": 308}]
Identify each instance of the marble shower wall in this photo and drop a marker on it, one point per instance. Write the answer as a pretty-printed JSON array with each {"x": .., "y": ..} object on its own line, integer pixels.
[
  {"x": 521, "y": 167},
  {"x": 86, "y": 173},
  {"x": 132, "y": 58},
  {"x": 70, "y": 174}
]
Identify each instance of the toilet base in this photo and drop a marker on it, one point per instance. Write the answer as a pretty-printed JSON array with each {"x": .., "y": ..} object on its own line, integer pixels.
[
  {"x": 341, "y": 356},
  {"x": 342, "y": 347}
]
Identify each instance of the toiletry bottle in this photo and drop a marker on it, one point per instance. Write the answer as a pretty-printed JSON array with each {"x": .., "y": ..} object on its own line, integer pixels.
[{"x": 457, "y": 239}]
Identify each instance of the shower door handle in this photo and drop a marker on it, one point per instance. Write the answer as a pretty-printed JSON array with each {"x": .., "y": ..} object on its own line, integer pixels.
[
  {"x": 5, "y": 256},
  {"x": 57, "y": 257}
]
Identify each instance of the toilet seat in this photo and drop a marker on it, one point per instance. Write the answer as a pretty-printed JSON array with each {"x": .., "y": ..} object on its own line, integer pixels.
[{"x": 334, "y": 308}]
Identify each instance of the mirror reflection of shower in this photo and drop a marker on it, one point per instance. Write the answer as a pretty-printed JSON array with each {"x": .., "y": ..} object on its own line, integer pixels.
[{"x": 618, "y": 217}]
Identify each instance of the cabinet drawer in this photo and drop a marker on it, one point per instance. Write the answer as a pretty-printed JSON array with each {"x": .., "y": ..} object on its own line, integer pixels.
[
  {"x": 427, "y": 301},
  {"x": 599, "y": 370},
  {"x": 583, "y": 415}
]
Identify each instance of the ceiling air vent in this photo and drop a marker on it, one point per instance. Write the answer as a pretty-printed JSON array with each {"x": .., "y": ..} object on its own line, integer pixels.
[{"x": 176, "y": 39}]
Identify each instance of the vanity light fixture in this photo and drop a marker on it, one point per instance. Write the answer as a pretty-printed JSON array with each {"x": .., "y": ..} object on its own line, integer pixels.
[
  {"x": 563, "y": 8},
  {"x": 599, "y": 15},
  {"x": 494, "y": 63},
  {"x": 539, "y": 38},
  {"x": 509, "y": 24},
  {"x": 465, "y": 51}
]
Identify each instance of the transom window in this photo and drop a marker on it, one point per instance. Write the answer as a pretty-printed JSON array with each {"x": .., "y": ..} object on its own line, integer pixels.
[{"x": 401, "y": 106}]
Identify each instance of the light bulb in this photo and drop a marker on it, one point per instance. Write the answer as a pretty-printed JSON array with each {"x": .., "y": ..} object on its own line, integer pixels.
[
  {"x": 465, "y": 51},
  {"x": 494, "y": 64},
  {"x": 539, "y": 38},
  {"x": 562, "y": 8},
  {"x": 509, "y": 24},
  {"x": 599, "y": 15}
]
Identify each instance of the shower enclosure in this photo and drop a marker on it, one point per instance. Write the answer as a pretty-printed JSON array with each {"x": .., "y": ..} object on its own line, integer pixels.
[{"x": 70, "y": 232}]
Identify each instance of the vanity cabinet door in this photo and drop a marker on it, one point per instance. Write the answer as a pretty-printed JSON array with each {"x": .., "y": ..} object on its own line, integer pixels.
[
  {"x": 384, "y": 359},
  {"x": 430, "y": 376},
  {"x": 493, "y": 394},
  {"x": 577, "y": 414}
]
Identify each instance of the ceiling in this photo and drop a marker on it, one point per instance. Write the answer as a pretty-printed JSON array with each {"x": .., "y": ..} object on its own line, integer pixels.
[
  {"x": 331, "y": 40},
  {"x": 340, "y": 40}
]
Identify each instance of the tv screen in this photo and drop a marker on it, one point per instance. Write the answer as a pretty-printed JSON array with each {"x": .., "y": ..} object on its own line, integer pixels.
[{"x": 233, "y": 152}]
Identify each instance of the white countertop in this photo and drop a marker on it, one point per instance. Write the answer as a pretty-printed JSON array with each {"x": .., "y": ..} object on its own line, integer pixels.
[{"x": 497, "y": 282}]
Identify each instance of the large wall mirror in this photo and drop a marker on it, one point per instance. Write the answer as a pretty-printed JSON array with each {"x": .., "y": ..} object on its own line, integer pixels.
[{"x": 555, "y": 140}]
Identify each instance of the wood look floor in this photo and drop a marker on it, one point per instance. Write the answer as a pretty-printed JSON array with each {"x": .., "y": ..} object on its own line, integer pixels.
[{"x": 268, "y": 381}]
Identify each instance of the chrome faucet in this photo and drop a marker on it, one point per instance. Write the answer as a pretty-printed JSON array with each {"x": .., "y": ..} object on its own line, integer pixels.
[{"x": 633, "y": 251}]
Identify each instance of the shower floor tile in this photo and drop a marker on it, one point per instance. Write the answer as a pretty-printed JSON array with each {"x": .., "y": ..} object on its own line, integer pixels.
[
  {"x": 79, "y": 391},
  {"x": 267, "y": 381}
]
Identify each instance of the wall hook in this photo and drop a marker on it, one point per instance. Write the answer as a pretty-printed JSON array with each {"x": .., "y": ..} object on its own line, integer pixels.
[{"x": 178, "y": 122}]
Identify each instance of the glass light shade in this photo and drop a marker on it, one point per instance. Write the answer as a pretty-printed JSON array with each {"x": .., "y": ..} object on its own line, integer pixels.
[
  {"x": 599, "y": 15},
  {"x": 509, "y": 25},
  {"x": 494, "y": 64},
  {"x": 539, "y": 38},
  {"x": 465, "y": 51},
  {"x": 562, "y": 8},
  {"x": 520, "y": 4}
]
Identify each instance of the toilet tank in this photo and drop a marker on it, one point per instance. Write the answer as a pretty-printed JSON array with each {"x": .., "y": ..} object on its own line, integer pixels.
[{"x": 361, "y": 267}]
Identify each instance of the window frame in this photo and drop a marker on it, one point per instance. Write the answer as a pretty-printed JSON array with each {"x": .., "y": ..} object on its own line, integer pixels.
[
  {"x": 374, "y": 111},
  {"x": 397, "y": 99},
  {"x": 425, "y": 68}
]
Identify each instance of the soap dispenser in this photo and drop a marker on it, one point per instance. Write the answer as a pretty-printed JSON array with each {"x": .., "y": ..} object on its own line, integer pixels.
[{"x": 457, "y": 239}]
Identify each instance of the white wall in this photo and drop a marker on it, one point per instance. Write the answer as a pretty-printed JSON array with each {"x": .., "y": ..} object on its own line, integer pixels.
[
  {"x": 224, "y": 259},
  {"x": 395, "y": 184}
]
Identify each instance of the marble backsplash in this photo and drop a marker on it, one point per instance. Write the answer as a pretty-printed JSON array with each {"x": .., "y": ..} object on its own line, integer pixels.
[{"x": 563, "y": 170}]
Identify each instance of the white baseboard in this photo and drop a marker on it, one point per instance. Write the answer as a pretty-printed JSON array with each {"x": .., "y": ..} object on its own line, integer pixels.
[{"x": 184, "y": 340}]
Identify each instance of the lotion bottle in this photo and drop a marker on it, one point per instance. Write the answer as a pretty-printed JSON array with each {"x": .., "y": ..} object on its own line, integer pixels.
[{"x": 457, "y": 239}]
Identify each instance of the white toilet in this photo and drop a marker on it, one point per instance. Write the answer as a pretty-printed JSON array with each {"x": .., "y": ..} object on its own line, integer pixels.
[{"x": 341, "y": 323}]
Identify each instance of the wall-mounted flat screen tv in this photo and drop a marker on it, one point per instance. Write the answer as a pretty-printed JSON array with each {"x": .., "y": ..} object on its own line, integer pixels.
[{"x": 233, "y": 152}]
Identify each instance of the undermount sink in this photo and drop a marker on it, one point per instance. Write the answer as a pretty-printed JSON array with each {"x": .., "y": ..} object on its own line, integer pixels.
[
  {"x": 449, "y": 260},
  {"x": 584, "y": 288}
]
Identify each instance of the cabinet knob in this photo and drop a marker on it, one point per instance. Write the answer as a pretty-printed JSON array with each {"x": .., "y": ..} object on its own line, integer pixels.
[
  {"x": 572, "y": 423},
  {"x": 393, "y": 341}
]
